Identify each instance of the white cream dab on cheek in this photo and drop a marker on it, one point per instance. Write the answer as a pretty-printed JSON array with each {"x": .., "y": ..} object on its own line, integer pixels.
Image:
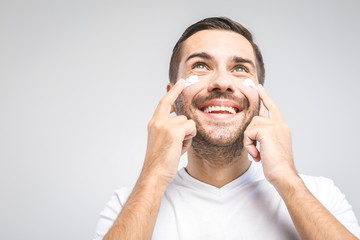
[
  {"x": 249, "y": 83},
  {"x": 191, "y": 80}
]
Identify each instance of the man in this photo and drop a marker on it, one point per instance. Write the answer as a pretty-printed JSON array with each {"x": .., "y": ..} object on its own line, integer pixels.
[{"x": 221, "y": 194}]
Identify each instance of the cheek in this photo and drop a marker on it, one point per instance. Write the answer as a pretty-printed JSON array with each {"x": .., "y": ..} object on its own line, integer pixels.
[
  {"x": 183, "y": 102},
  {"x": 190, "y": 91}
]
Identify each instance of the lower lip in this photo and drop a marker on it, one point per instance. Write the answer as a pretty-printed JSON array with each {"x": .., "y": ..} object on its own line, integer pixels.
[{"x": 220, "y": 116}]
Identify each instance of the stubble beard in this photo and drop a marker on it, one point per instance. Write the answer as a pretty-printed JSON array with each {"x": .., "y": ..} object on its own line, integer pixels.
[{"x": 224, "y": 146}]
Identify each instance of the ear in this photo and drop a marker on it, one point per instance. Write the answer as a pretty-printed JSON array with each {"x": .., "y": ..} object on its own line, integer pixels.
[{"x": 168, "y": 87}]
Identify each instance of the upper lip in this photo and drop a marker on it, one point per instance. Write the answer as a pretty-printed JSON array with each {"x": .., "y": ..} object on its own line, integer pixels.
[{"x": 220, "y": 102}]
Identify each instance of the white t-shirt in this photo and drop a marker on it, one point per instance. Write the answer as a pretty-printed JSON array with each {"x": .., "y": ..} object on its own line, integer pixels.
[{"x": 247, "y": 208}]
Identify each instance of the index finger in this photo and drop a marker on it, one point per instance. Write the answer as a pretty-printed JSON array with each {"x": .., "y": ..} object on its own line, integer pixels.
[
  {"x": 270, "y": 105},
  {"x": 164, "y": 106}
]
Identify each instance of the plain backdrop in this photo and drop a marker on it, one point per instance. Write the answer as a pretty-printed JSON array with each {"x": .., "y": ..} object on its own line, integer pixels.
[{"x": 79, "y": 81}]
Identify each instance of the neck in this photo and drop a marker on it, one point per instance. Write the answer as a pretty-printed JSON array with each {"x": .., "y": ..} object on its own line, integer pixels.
[{"x": 215, "y": 174}]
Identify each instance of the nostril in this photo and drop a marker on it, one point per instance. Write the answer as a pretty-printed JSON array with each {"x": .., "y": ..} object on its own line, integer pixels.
[
  {"x": 230, "y": 90},
  {"x": 221, "y": 86},
  {"x": 216, "y": 89},
  {"x": 222, "y": 90}
]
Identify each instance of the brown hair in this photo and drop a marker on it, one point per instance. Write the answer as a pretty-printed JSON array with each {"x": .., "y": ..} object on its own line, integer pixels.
[{"x": 215, "y": 23}]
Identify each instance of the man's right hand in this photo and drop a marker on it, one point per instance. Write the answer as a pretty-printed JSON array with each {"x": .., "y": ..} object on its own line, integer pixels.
[{"x": 168, "y": 137}]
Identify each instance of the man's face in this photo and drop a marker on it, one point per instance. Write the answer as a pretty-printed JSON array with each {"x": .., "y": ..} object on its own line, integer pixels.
[{"x": 222, "y": 60}]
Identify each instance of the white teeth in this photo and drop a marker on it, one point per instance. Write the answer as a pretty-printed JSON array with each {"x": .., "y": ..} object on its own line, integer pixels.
[{"x": 220, "y": 108}]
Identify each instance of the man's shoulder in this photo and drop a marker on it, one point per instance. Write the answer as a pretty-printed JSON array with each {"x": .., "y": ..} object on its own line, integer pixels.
[
  {"x": 325, "y": 190},
  {"x": 318, "y": 184},
  {"x": 123, "y": 193},
  {"x": 119, "y": 198}
]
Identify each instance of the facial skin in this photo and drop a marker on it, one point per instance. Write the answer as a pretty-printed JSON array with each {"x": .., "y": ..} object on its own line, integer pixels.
[{"x": 222, "y": 60}]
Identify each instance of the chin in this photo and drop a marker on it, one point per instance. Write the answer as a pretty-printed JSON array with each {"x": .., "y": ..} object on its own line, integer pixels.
[{"x": 221, "y": 137}]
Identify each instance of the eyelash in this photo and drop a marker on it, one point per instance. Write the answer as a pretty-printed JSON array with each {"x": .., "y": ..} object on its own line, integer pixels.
[
  {"x": 243, "y": 67},
  {"x": 206, "y": 66},
  {"x": 199, "y": 64}
]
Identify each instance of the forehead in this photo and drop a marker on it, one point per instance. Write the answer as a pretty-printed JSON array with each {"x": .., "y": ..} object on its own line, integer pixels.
[{"x": 219, "y": 43}]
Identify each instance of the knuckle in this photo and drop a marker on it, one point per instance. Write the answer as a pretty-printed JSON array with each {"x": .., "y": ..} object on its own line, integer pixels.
[
  {"x": 285, "y": 127},
  {"x": 151, "y": 123},
  {"x": 256, "y": 118},
  {"x": 183, "y": 117},
  {"x": 170, "y": 129},
  {"x": 192, "y": 126},
  {"x": 167, "y": 127},
  {"x": 246, "y": 132},
  {"x": 157, "y": 125},
  {"x": 256, "y": 121},
  {"x": 172, "y": 132}
]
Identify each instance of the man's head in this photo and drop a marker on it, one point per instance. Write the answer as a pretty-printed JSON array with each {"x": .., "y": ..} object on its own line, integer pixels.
[
  {"x": 219, "y": 104},
  {"x": 214, "y": 23}
]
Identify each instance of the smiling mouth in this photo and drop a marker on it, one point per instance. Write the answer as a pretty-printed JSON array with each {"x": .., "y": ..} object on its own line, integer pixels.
[{"x": 220, "y": 109}]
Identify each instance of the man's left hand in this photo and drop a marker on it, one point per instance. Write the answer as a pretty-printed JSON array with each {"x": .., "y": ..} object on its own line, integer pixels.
[{"x": 274, "y": 136}]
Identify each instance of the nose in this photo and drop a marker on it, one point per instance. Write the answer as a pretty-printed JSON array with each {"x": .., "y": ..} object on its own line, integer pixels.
[{"x": 221, "y": 83}]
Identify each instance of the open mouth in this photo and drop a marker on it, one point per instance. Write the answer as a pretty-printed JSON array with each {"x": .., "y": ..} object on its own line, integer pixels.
[
  {"x": 220, "y": 109},
  {"x": 220, "y": 106}
]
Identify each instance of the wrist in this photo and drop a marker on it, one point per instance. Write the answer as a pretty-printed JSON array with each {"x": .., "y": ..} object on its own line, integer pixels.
[
  {"x": 152, "y": 179},
  {"x": 289, "y": 185}
]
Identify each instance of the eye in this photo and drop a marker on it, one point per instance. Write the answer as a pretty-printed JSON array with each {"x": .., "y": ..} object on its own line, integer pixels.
[
  {"x": 240, "y": 68},
  {"x": 200, "y": 65}
]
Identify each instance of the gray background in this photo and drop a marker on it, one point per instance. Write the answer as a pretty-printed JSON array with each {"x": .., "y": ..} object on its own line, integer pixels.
[{"x": 79, "y": 80}]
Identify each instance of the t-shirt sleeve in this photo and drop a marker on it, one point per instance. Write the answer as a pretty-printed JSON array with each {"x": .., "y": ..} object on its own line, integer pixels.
[
  {"x": 110, "y": 212},
  {"x": 334, "y": 200}
]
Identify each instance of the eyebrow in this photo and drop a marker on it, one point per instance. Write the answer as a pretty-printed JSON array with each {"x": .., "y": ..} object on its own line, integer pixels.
[
  {"x": 243, "y": 60},
  {"x": 203, "y": 55},
  {"x": 235, "y": 59}
]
